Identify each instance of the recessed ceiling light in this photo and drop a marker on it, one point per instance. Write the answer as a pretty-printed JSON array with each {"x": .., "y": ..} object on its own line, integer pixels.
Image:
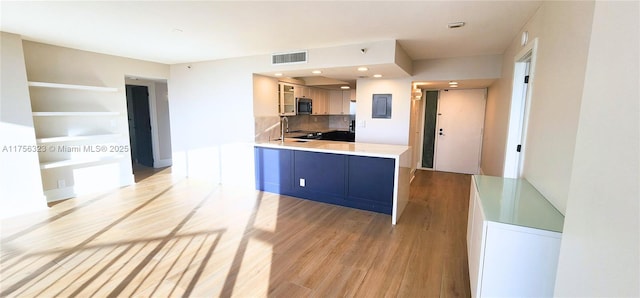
[
  {"x": 455, "y": 25},
  {"x": 377, "y": 75},
  {"x": 278, "y": 74},
  {"x": 345, "y": 87},
  {"x": 453, "y": 83},
  {"x": 453, "y": 86},
  {"x": 316, "y": 72},
  {"x": 362, "y": 68}
]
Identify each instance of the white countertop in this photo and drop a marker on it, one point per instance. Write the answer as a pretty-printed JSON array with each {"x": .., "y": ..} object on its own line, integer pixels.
[{"x": 355, "y": 148}]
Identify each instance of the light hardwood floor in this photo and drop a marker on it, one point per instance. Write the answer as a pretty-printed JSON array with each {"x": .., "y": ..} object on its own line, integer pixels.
[{"x": 177, "y": 237}]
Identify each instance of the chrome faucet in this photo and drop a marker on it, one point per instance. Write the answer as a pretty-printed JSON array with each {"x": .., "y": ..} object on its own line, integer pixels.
[{"x": 282, "y": 127}]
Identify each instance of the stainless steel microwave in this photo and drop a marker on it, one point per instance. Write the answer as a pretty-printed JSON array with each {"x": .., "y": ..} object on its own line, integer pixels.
[{"x": 304, "y": 106}]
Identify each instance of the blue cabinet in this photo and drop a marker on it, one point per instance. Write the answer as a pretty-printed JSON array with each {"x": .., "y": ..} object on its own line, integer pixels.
[
  {"x": 273, "y": 170},
  {"x": 319, "y": 176},
  {"x": 347, "y": 180},
  {"x": 371, "y": 183}
]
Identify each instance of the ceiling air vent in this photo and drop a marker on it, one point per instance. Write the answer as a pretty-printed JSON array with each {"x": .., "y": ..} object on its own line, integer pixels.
[{"x": 289, "y": 58}]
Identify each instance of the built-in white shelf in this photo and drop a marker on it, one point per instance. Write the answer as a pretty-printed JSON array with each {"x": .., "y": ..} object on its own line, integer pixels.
[
  {"x": 75, "y": 162},
  {"x": 52, "y": 114},
  {"x": 76, "y": 138},
  {"x": 73, "y": 87}
]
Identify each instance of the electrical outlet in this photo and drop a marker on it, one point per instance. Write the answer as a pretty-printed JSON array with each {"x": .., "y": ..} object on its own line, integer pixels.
[
  {"x": 62, "y": 183},
  {"x": 302, "y": 182}
]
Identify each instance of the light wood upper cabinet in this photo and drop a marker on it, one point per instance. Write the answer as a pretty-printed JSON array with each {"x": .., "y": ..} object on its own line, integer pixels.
[
  {"x": 346, "y": 101},
  {"x": 306, "y": 91},
  {"x": 339, "y": 102},
  {"x": 320, "y": 103},
  {"x": 325, "y": 102},
  {"x": 302, "y": 91}
]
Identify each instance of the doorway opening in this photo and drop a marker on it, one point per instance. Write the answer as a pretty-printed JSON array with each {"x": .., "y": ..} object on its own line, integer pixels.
[
  {"x": 523, "y": 75},
  {"x": 149, "y": 127}
]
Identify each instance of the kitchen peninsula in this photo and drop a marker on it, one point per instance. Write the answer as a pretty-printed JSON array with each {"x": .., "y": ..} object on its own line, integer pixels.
[{"x": 372, "y": 177}]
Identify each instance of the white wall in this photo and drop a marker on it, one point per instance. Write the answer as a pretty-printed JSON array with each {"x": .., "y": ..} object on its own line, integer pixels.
[
  {"x": 164, "y": 122},
  {"x": 396, "y": 129},
  {"x": 459, "y": 68},
  {"x": 20, "y": 182},
  {"x": 212, "y": 124},
  {"x": 600, "y": 252},
  {"x": 386, "y": 131},
  {"x": 563, "y": 30},
  {"x": 265, "y": 96}
]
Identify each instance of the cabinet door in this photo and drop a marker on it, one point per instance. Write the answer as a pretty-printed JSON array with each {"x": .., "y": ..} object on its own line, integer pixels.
[
  {"x": 371, "y": 182},
  {"x": 475, "y": 242},
  {"x": 324, "y": 101},
  {"x": 319, "y": 97},
  {"x": 346, "y": 101},
  {"x": 319, "y": 176},
  {"x": 335, "y": 102},
  {"x": 306, "y": 91},
  {"x": 519, "y": 262},
  {"x": 317, "y": 102},
  {"x": 273, "y": 170},
  {"x": 302, "y": 91},
  {"x": 287, "y": 99}
]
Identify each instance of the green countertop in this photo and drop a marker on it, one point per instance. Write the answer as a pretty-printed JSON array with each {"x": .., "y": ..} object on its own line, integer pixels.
[{"x": 517, "y": 202}]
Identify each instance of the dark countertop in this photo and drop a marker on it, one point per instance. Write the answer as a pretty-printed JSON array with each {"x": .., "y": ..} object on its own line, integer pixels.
[{"x": 326, "y": 135}]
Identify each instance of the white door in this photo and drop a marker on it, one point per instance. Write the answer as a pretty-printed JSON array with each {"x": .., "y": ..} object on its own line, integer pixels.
[{"x": 459, "y": 130}]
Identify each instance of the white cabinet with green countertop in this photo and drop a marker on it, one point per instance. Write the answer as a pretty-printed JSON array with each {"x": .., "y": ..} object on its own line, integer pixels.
[{"x": 513, "y": 239}]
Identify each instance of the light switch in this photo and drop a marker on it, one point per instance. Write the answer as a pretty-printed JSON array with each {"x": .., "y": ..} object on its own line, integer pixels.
[
  {"x": 362, "y": 123},
  {"x": 302, "y": 182}
]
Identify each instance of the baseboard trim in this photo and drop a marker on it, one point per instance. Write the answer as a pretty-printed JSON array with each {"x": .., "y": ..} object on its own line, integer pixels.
[
  {"x": 58, "y": 194},
  {"x": 69, "y": 192},
  {"x": 127, "y": 180},
  {"x": 162, "y": 163}
]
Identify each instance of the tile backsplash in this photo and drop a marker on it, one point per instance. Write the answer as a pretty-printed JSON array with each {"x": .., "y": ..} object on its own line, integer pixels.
[
  {"x": 268, "y": 128},
  {"x": 320, "y": 123},
  {"x": 308, "y": 122},
  {"x": 340, "y": 122}
]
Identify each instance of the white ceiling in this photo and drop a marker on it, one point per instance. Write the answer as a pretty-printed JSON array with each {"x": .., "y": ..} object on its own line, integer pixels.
[{"x": 177, "y": 32}]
